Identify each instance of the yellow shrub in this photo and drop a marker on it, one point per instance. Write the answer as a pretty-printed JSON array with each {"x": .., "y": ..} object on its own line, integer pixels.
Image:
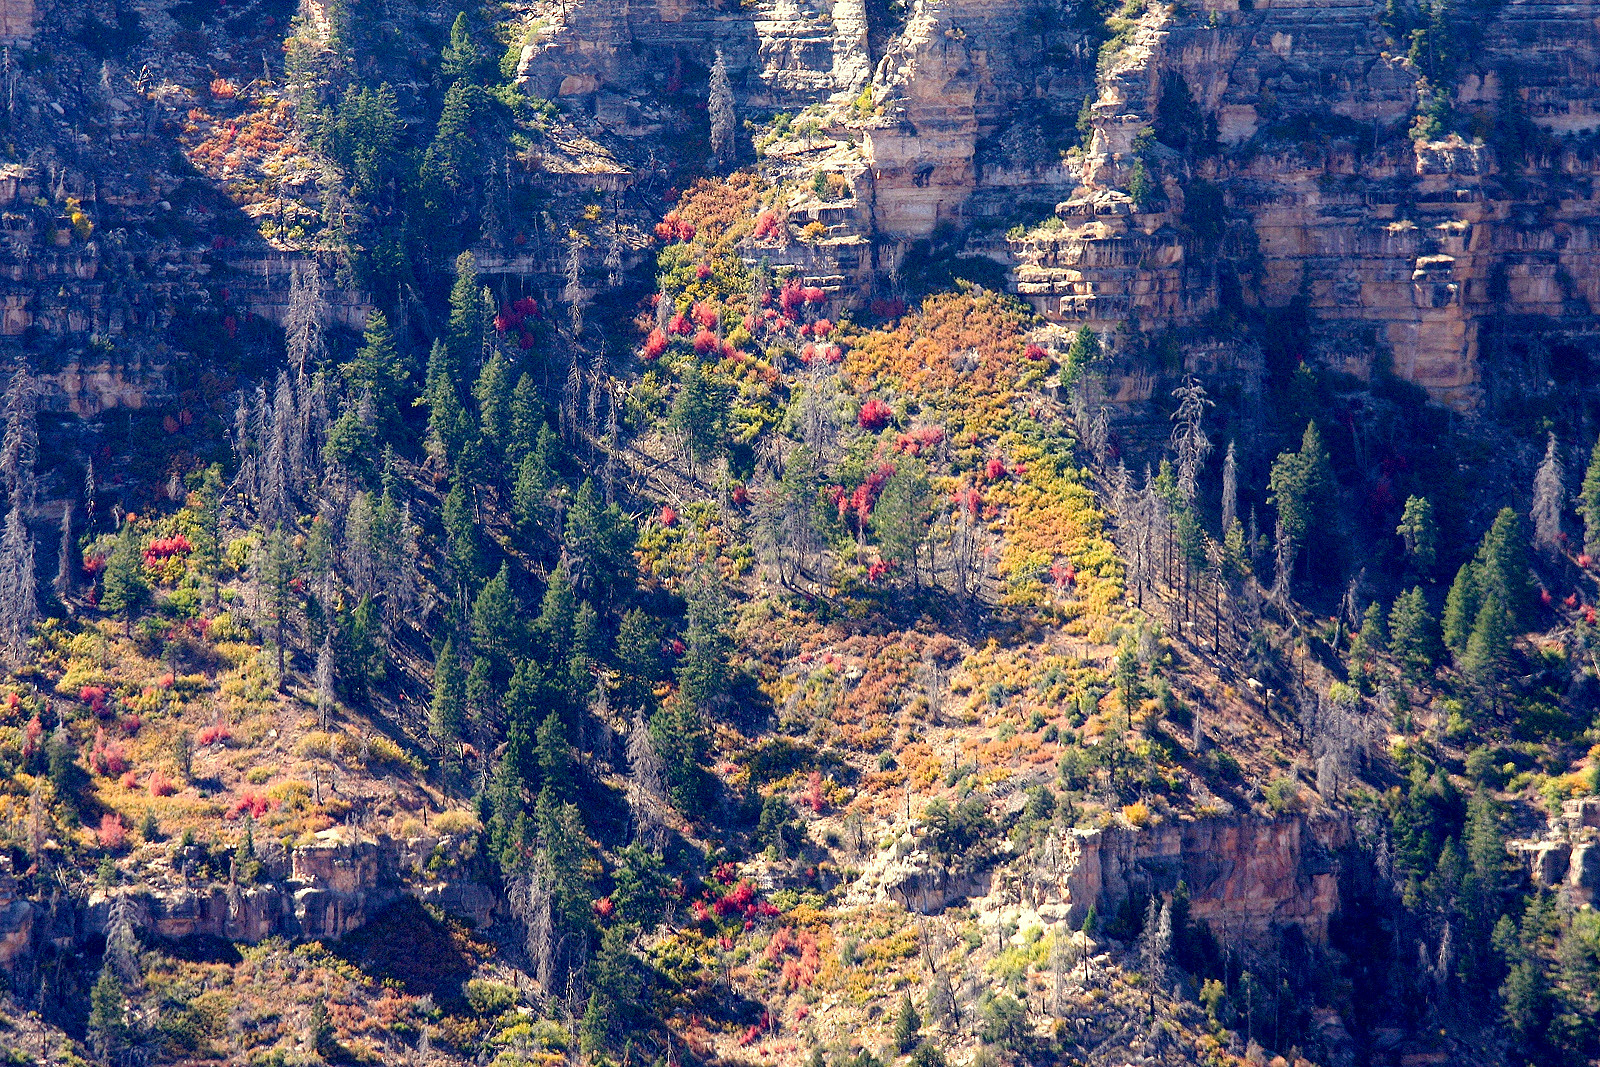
[
  {"x": 1137, "y": 813},
  {"x": 456, "y": 821}
]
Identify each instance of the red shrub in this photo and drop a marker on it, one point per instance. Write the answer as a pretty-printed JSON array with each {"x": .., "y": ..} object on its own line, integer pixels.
[
  {"x": 813, "y": 295},
  {"x": 1571, "y": 601},
  {"x": 527, "y": 307},
  {"x": 669, "y": 516},
  {"x": 164, "y": 548},
  {"x": 655, "y": 344},
  {"x": 131, "y": 724},
  {"x": 130, "y": 780},
  {"x": 604, "y": 908},
  {"x": 107, "y": 757},
  {"x": 768, "y": 224},
  {"x": 812, "y": 797},
  {"x": 1545, "y": 598},
  {"x": 874, "y": 415},
  {"x": 525, "y": 341},
  {"x": 705, "y": 341},
  {"x": 161, "y": 786},
  {"x": 217, "y": 734},
  {"x": 705, "y": 315},
  {"x": 702, "y": 271},
  {"x": 31, "y": 735},
  {"x": 680, "y": 324},
  {"x": 95, "y": 697},
  {"x": 995, "y": 469},
  {"x": 1063, "y": 574},
  {"x": 878, "y": 568},
  {"x": 791, "y": 297},
  {"x": 741, "y": 495},
  {"x": 1034, "y": 352},
  {"x": 112, "y": 834},
  {"x": 255, "y": 803}
]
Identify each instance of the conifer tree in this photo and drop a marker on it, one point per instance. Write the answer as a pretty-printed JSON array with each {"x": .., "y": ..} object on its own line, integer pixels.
[
  {"x": 123, "y": 587},
  {"x": 907, "y": 1024},
  {"x": 702, "y": 674},
  {"x": 1298, "y": 483},
  {"x": 493, "y": 392},
  {"x": 495, "y": 625},
  {"x": 1418, "y": 531},
  {"x": 1411, "y": 632},
  {"x": 1461, "y": 607},
  {"x": 378, "y": 371},
  {"x": 1083, "y": 353},
  {"x": 108, "y": 1015},
  {"x": 1589, "y": 503},
  {"x": 1489, "y": 644},
  {"x": 461, "y": 56}
]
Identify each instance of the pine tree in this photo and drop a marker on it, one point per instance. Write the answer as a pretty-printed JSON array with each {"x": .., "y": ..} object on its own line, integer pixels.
[
  {"x": 496, "y": 628},
  {"x": 907, "y": 1025},
  {"x": 1549, "y": 499},
  {"x": 1411, "y": 632},
  {"x": 378, "y": 371},
  {"x": 1298, "y": 482},
  {"x": 1419, "y": 533},
  {"x": 493, "y": 392},
  {"x": 1140, "y": 188},
  {"x": 1502, "y": 560},
  {"x": 554, "y": 756},
  {"x": 275, "y": 572},
  {"x": 1589, "y": 503},
  {"x": 461, "y": 57},
  {"x": 720, "y": 107},
  {"x": 700, "y": 415},
  {"x": 462, "y": 550},
  {"x": 123, "y": 587},
  {"x": 552, "y": 631},
  {"x": 1082, "y": 354},
  {"x": 901, "y": 519},
  {"x": 703, "y": 672},
  {"x": 526, "y": 424},
  {"x": 637, "y": 661},
  {"x": 465, "y": 334},
  {"x": 108, "y": 1022},
  {"x": 1489, "y": 645},
  {"x": 1461, "y": 607},
  {"x": 615, "y": 1000}
]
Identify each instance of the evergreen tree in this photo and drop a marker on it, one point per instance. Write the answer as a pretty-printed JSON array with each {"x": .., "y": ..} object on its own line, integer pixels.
[
  {"x": 276, "y": 569},
  {"x": 616, "y": 992},
  {"x": 496, "y": 628},
  {"x": 462, "y": 550},
  {"x": 552, "y": 630},
  {"x": 377, "y": 372},
  {"x": 108, "y": 1022},
  {"x": 1140, "y": 187},
  {"x": 1082, "y": 354},
  {"x": 1502, "y": 561},
  {"x": 638, "y": 660},
  {"x": 1298, "y": 483},
  {"x": 526, "y": 424},
  {"x": 527, "y": 705},
  {"x": 700, "y": 414},
  {"x": 123, "y": 587},
  {"x": 555, "y": 757},
  {"x": 703, "y": 672},
  {"x": 493, "y": 391},
  {"x": 1461, "y": 607},
  {"x": 206, "y": 551},
  {"x": 536, "y": 479},
  {"x": 453, "y": 161},
  {"x": 907, "y": 1024},
  {"x": 599, "y": 544},
  {"x": 1589, "y": 503},
  {"x": 461, "y": 57},
  {"x": 466, "y": 331},
  {"x": 1419, "y": 533},
  {"x": 1489, "y": 645},
  {"x": 901, "y": 519},
  {"x": 1411, "y": 632}
]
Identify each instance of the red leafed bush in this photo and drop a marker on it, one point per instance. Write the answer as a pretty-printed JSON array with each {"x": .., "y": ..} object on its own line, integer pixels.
[
  {"x": 768, "y": 224},
  {"x": 163, "y": 548},
  {"x": 812, "y": 797},
  {"x": 781, "y": 940},
  {"x": 1063, "y": 574},
  {"x": 995, "y": 469},
  {"x": 1584, "y": 560},
  {"x": 216, "y": 734},
  {"x": 1034, "y": 352},
  {"x": 669, "y": 516},
  {"x": 729, "y": 352},
  {"x": 725, "y": 873},
  {"x": 919, "y": 440},
  {"x": 680, "y": 324},
  {"x": 93, "y": 565},
  {"x": 604, "y": 908},
  {"x": 813, "y": 295},
  {"x": 31, "y": 736},
  {"x": 161, "y": 786},
  {"x": 525, "y": 341},
  {"x": 705, "y": 315},
  {"x": 874, "y": 415},
  {"x": 502, "y": 323},
  {"x": 1588, "y": 614},
  {"x": 701, "y": 913},
  {"x": 705, "y": 341},
  {"x": 130, "y": 780},
  {"x": 107, "y": 757},
  {"x": 1545, "y": 598},
  {"x": 131, "y": 724},
  {"x": 95, "y": 697},
  {"x": 112, "y": 834},
  {"x": 1571, "y": 601},
  {"x": 655, "y": 344},
  {"x": 821, "y": 328},
  {"x": 878, "y": 568},
  {"x": 678, "y": 647},
  {"x": 791, "y": 297},
  {"x": 526, "y": 306},
  {"x": 255, "y": 803},
  {"x": 741, "y": 495},
  {"x": 968, "y": 500},
  {"x": 737, "y": 900},
  {"x": 756, "y": 1030},
  {"x": 702, "y": 271}
]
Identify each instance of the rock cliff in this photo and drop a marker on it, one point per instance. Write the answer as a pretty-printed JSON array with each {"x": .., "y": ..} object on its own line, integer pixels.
[{"x": 1247, "y": 877}]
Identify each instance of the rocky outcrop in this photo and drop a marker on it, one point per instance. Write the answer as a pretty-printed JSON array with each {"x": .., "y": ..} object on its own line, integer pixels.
[
  {"x": 317, "y": 892},
  {"x": 1246, "y": 877},
  {"x": 1567, "y": 859}
]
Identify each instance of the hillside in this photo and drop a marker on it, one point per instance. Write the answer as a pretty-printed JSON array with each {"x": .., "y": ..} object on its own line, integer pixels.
[{"x": 835, "y": 534}]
